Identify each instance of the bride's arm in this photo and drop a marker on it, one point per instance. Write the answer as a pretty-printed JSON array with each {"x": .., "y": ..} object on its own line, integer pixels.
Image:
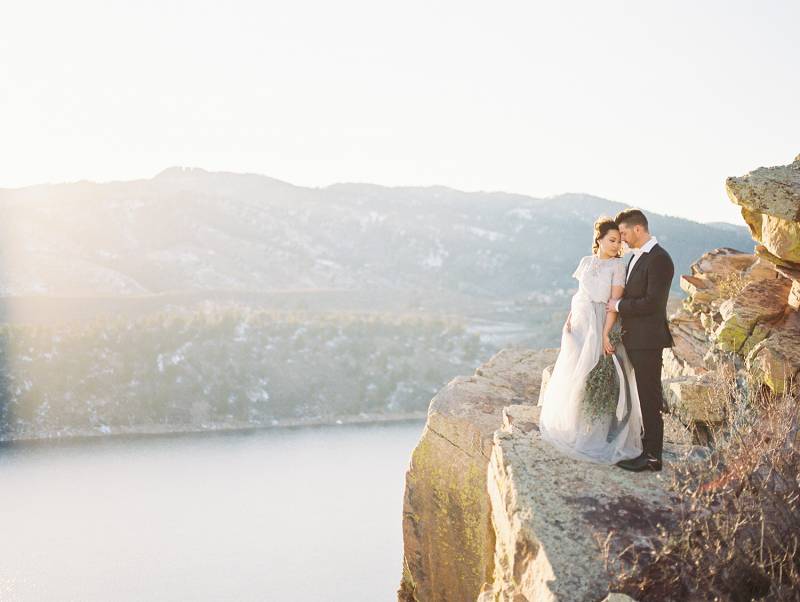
[{"x": 611, "y": 317}]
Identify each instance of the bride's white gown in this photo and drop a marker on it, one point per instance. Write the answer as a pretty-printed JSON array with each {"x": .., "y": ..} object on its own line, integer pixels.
[{"x": 562, "y": 421}]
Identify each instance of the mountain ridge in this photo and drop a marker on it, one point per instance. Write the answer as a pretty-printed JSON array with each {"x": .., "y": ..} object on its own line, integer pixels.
[
  {"x": 184, "y": 172},
  {"x": 192, "y": 229}
]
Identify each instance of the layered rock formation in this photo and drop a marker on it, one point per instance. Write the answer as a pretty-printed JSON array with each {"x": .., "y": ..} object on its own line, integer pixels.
[
  {"x": 770, "y": 202},
  {"x": 736, "y": 309},
  {"x": 740, "y": 317}
]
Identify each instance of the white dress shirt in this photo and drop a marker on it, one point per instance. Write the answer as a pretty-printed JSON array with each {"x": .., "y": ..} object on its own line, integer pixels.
[{"x": 645, "y": 248}]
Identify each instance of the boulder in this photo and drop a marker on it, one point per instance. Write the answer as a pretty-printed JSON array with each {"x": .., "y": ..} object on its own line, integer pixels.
[
  {"x": 759, "y": 301},
  {"x": 769, "y": 198},
  {"x": 794, "y": 295},
  {"x": 697, "y": 399},
  {"x": 781, "y": 237},
  {"x": 700, "y": 289},
  {"x": 711, "y": 274},
  {"x": 720, "y": 263},
  {"x": 776, "y": 359},
  {"x": 790, "y": 269},
  {"x": 685, "y": 357},
  {"x": 772, "y": 191},
  {"x": 762, "y": 270}
]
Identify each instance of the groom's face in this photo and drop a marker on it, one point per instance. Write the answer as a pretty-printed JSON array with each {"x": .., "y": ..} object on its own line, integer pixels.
[{"x": 629, "y": 235}]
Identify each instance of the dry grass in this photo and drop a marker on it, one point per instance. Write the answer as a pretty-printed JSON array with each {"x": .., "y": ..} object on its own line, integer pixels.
[
  {"x": 736, "y": 533},
  {"x": 731, "y": 285}
]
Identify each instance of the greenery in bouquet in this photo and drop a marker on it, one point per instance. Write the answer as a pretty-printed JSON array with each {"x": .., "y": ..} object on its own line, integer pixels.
[{"x": 602, "y": 385}]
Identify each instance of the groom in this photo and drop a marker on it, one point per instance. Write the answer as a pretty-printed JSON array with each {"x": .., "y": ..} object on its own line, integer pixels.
[{"x": 645, "y": 331}]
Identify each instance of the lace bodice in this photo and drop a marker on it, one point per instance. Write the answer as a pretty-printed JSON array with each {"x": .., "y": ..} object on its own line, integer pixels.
[{"x": 596, "y": 276}]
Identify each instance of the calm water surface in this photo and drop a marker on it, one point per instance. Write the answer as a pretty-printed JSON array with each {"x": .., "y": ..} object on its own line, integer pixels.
[{"x": 294, "y": 514}]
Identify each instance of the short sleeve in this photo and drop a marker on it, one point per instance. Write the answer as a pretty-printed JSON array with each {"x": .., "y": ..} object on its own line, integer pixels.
[
  {"x": 618, "y": 279},
  {"x": 581, "y": 267}
]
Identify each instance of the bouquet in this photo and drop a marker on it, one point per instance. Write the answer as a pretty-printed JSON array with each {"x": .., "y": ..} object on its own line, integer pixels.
[{"x": 602, "y": 385}]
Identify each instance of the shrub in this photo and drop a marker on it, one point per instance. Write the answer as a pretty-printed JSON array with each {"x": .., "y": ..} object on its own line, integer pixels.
[{"x": 736, "y": 533}]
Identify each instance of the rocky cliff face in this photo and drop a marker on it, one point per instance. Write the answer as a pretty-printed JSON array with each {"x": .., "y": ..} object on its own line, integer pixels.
[
  {"x": 448, "y": 537},
  {"x": 491, "y": 513},
  {"x": 770, "y": 202},
  {"x": 741, "y": 315}
]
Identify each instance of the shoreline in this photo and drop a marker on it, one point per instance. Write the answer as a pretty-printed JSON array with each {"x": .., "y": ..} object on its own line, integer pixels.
[{"x": 158, "y": 430}]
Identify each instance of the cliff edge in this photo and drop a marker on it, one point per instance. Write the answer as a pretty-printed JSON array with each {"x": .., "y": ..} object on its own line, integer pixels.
[
  {"x": 491, "y": 512},
  {"x": 448, "y": 537}
]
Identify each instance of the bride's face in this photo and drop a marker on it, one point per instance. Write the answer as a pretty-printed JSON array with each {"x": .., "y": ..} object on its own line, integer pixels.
[{"x": 609, "y": 244}]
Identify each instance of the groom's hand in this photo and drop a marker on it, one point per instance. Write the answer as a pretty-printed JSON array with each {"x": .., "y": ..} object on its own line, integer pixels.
[{"x": 611, "y": 306}]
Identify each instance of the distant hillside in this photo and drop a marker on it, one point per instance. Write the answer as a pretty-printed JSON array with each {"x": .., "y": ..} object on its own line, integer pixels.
[
  {"x": 193, "y": 230},
  {"x": 222, "y": 365},
  {"x": 202, "y": 300},
  {"x": 726, "y": 226}
]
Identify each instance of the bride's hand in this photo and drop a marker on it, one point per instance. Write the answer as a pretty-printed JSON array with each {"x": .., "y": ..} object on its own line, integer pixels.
[{"x": 607, "y": 346}]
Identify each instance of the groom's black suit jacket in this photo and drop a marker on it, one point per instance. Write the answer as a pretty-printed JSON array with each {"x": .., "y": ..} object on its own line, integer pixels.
[{"x": 643, "y": 307}]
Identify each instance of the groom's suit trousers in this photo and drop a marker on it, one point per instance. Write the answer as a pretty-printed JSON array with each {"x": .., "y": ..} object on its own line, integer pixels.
[{"x": 647, "y": 368}]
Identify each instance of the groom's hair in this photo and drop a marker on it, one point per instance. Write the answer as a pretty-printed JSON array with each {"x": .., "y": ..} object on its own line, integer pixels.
[{"x": 632, "y": 217}]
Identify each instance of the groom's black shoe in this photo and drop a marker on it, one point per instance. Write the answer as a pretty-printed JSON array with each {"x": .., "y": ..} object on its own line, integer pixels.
[{"x": 640, "y": 463}]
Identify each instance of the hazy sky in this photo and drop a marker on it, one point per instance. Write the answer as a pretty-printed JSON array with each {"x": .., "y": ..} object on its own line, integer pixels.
[{"x": 646, "y": 103}]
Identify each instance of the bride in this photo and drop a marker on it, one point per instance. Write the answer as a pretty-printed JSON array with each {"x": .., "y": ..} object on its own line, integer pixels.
[{"x": 584, "y": 414}]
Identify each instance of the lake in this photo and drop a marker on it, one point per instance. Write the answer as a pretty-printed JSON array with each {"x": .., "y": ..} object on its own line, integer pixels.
[{"x": 298, "y": 514}]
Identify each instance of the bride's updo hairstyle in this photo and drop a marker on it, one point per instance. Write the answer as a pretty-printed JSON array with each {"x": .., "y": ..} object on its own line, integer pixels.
[{"x": 602, "y": 227}]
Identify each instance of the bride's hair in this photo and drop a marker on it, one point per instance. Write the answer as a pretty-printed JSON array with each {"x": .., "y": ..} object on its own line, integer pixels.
[{"x": 601, "y": 228}]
